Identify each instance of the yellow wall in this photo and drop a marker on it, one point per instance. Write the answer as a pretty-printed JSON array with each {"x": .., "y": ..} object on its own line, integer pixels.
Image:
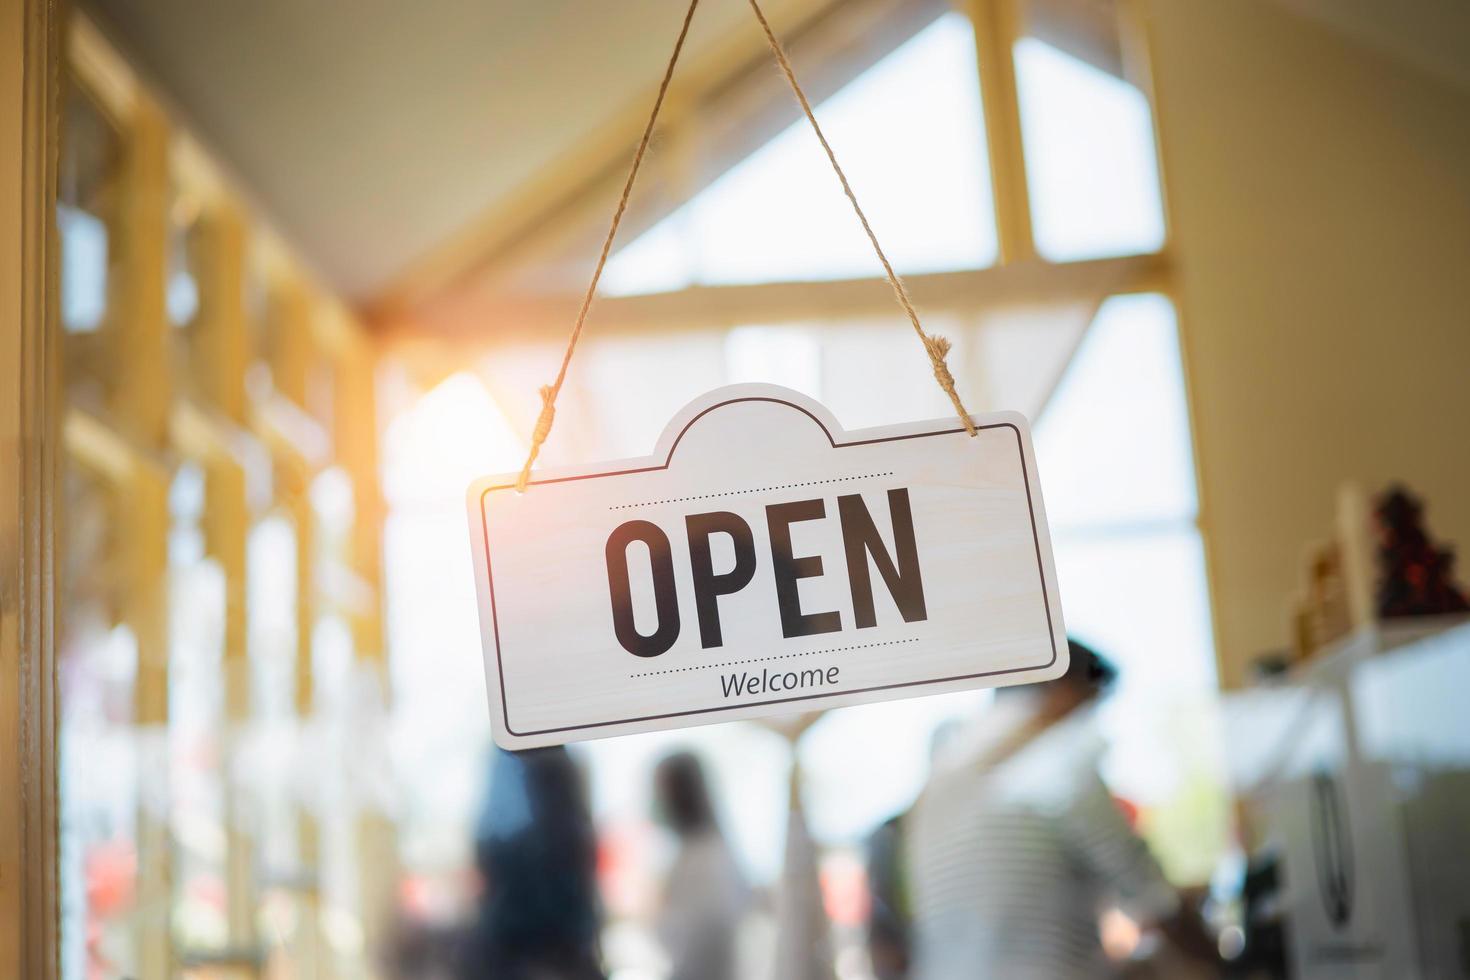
[{"x": 1320, "y": 197}]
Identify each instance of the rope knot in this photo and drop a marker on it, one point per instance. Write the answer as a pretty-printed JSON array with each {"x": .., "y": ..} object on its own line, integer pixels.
[
  {"x": 937, "y": 348},
  {"x": 538, "y": 434},
  {"x": 546, "y": 418}
]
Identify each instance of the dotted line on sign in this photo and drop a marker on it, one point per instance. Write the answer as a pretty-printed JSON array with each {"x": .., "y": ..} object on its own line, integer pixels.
[
  {"x": 783, "y": 656},
  {"x": 733, "y": 493}
]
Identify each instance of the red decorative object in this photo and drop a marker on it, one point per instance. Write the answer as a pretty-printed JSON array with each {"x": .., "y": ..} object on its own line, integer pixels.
[{"x": 1415, "y": 577}]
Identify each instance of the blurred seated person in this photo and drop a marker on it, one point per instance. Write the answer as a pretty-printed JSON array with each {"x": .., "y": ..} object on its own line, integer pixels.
[
  {"x": 1017, "y": 850},
  {"x": 705, "y": 896},
  {"x": 539, "y": 916}
]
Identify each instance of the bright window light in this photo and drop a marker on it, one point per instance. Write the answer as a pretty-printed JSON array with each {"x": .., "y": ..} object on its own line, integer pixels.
[
  {"x": 781, "y": 355},
  {"x": 83, "y": 269},
  {"x": 909, "y": 134},
  {"x": 1114, "y": 441},
  {"x": 1116, "y": 465},
  {"x": 1090, "y": 159},
  {"x": 431, "y": 452},
  {"x": 454, "y": 434}
]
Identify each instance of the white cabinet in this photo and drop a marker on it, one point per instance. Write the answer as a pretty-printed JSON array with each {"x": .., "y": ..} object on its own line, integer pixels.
[{"x": 1357, "y": 771}]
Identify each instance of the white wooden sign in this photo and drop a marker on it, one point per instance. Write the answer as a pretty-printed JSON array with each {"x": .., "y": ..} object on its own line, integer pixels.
[{"x": 763, "y": 560}]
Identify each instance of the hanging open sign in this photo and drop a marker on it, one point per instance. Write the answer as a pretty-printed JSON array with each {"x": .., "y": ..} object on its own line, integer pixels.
[{"x": 763, "y": 560}]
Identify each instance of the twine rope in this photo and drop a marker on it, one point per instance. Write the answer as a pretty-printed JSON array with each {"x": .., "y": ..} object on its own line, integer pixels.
[
  {"x": 549, "y": 392},
  {"x": 935, "y": 346}
]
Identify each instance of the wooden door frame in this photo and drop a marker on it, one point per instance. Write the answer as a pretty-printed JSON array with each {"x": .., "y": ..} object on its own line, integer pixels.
[{"x": 29, "y": 415}]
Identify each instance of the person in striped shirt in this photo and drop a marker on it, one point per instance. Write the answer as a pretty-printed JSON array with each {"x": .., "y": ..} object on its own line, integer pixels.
[{"x": 1016, "y": 849}]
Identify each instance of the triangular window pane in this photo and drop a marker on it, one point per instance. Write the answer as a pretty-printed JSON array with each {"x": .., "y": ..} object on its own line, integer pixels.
[
  {"x": 909, "y": 134},
  {"x": 1091, "y": 169},
  {"x": 1113, "y": 445}
]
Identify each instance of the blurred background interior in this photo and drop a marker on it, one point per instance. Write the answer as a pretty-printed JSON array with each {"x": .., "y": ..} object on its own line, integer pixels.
[{"x": 317, "y": 258}]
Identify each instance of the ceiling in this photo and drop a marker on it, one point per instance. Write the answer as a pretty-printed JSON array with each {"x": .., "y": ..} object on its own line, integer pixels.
[
  {"x": 375, "y": 132},
  {"x": 372, "y": 131},
  {"x": 1431, "y": 35}
]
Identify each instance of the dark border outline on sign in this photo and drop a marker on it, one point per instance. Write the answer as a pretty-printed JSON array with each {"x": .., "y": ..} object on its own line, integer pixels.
[{"x": 495, "y": 618}]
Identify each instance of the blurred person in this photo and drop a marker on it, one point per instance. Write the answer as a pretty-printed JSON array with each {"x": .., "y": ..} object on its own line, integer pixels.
[
  {"x": 890, "y": 918},
  {"x": 888, "y": 912},
  {"x": 539, "y": 916},
  {"x": 1016, "y": 852},
  {"x": 705, "y": 896}
]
